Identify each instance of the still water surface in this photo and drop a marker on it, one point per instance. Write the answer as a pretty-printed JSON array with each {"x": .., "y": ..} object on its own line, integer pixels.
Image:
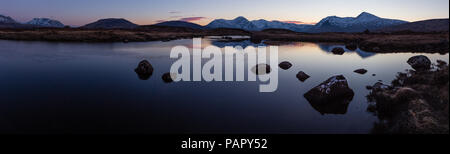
[{"x": 48, "y": 87}]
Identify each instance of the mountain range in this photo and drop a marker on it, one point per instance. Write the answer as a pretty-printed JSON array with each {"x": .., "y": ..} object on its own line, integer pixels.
[
  {"x": 257, "y": 25},
  {"x": 362, "y": 22},
  {"x": 8, "y": 22}
]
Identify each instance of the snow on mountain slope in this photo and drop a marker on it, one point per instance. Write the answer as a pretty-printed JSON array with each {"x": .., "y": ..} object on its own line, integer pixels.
[
  {"x": 329, "y": 24},
  {"x": 351, "y": 24},
  {"x": 6, "y": 19},
  {"x": 255, "y": 25},
  {"x": 45, "y": 22}
]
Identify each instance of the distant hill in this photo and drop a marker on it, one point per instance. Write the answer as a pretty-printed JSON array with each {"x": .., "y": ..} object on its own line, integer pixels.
[
  {"x": 433, "y": 25},
  {"x": 154, "y": 28},
  {"x": 180, "y": 24},
  {"x": 45, "y": 22},
  {"x": 111, "y": 23}
]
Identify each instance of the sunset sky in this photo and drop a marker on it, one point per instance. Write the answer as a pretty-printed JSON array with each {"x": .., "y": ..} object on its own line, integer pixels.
[{"x": 80, "y": 12}]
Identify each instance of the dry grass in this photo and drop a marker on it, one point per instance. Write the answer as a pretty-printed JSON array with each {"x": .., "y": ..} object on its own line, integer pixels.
[{"x": 413, "y": 42}]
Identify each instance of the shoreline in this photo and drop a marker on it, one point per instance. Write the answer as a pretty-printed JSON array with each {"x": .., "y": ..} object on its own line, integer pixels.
[
  {"x": 416, "y": 102},
  {"x": 370, "y": 42}
]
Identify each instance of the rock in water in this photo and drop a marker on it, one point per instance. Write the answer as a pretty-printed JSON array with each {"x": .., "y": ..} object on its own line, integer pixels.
[
  {"x": 144, "y": 70},
  {"x": 302, "y": 76},
  {"x": 168, "y": 77},
  {"x": 285, "y": 65},
  {"x": 332, "y": 96},
  {"x": 261, "y": 69},
  {"x": 361, "y": 71},
  {"x": 379, "y": 86},
  {"x": 338, "y": 51},
  {"x": 419, "y": 63},
  {"x": 351, "y": 46}
]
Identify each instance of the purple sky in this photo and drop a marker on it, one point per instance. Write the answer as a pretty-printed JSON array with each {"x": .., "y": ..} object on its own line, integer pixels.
[{"x": 80, "y": 12}]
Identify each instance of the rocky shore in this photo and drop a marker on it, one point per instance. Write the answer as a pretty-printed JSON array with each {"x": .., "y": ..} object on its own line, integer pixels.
[
  {"x": 416, "y": 102},
  {"x": 371, "y": 42}
]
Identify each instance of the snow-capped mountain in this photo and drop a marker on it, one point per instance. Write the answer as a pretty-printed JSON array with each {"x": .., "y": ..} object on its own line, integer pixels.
[
  {"x": 264, "y": 24},
  {"x": 239, "y": 23},
  {"x": 354, "y": 24},
  {"x": 6, "y": 20},
  {"x": 45, "y": 22},
  {"x": 329, "y": 24},
  {"x": 256, "y": 25}
]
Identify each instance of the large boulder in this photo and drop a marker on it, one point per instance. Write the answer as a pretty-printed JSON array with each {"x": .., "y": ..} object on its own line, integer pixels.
[
  {"x": 285, "y": 65},
  {"x": 338, "y": 51},
  {"x": 331, "y": 96},
  {"x": 420, "y": 63},
  {"x": 144, "y": 70}
]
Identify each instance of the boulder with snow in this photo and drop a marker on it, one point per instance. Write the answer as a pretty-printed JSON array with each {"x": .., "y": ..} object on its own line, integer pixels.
[{"x": 331, "y": 96}]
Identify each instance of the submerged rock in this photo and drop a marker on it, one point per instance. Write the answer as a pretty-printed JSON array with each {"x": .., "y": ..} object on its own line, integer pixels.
[
  {"x": 144, "y": 70},
  {"x": 261, "y": 69},
  {"x": 332, "y": 96},
  {"x": 361, "y": 71},
  {"x": 338, "y": 51},
  {"x": 285, "y": 65},
  {"x": 419, "y": 63},
  {"x": 351, "y": 46},
  {"x": 302, "y": 76}
]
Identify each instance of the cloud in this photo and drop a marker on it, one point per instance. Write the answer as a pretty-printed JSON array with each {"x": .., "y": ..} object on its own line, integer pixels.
[
  {"x": 171, "y": 17},
  {"x": 298, "y": 22},
  {"x": 179, "y": 18},
  {"x": 174, "y": 12},
  {"x": 159, "y": 21},
  {"x": 191, "y": 19}
]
